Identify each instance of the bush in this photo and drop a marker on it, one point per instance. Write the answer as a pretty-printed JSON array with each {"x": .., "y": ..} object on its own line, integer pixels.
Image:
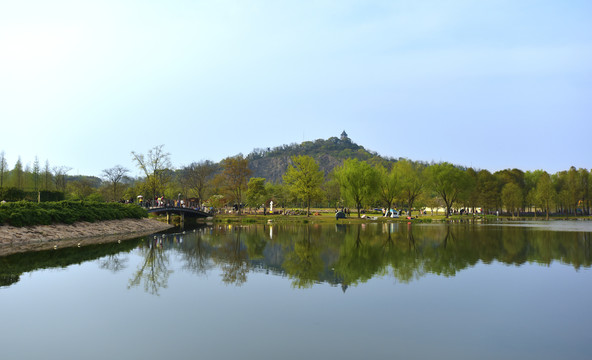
[{"x": 24, "y": 213}]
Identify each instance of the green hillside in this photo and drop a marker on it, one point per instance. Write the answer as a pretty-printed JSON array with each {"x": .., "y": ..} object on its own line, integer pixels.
[{"x": 271, "y": 163}]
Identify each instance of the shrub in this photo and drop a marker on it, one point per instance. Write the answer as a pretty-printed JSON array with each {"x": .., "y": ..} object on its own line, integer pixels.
[{"x": 24, "y": 213}]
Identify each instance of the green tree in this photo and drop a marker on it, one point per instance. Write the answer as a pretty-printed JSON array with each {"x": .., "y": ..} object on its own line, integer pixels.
[
  {"x": 487, "y": 189},
  {"x": 256, "y": 193},
  {"x": 545, "y": 193},
  {"x": 389, "y": 185},
  {"x": 304, "y": 179},
  {"x": 18, "y": 175},
  {"x": 412, "y": 181},
  {"x": 235, "y": 174},
  {"x": 278, "y": 193},
  {"x": 3, "y": 169},
  {"x": 358, "y": 181},
  {"x": 448, "y": 182},
  {"x": 512, "y": 198}
]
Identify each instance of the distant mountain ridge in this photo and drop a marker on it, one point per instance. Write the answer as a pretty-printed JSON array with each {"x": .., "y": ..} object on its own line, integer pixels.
[{"x": 271, "y": 163}]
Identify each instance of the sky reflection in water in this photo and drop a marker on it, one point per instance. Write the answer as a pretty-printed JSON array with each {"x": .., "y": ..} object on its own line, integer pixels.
[{"x": 373, "y": 291}]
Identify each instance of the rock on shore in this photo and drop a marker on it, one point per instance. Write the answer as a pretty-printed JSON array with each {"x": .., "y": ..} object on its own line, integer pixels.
[{"x": 44, "y": 237}]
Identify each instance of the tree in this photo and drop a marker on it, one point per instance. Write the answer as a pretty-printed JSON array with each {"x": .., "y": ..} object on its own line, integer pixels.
[
  {"x": 18, "y": 174},
  {"x": 36, "y": 174},
  {"x": 585, "y": 186},
  {"x": 3, "y": 168},
  {"x": 81, "y": 189},
  {"x": 59, "y": 177},
  {"x": 256, "y": 193},
  {"x": 545, "y": 193},
  {"x": 358, "y": 181},
  {"x": 278, "y": 193},
  {"x": 512, "y": 197},
  {"x": 46, "y": 176},
  {"x": 389, "y": 185},
  {"x": 156, "y": 165},
  {"x": 487, "y": 189},
  {"x": 412, "y": 182},
  {"x": 234, "y": 178},
  {"x": 114, "y": 176},
  {"x": 304, "y": 179},
  {"x": 448, "y": 182},
  {"x": 197, "y": 177}
]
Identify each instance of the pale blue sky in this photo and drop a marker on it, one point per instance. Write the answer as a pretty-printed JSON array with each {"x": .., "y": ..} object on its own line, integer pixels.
[{"x": 491, "y": 84}]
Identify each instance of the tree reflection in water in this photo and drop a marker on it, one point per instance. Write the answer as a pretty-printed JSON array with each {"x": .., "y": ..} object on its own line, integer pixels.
[
  {"x": 303, "y": 263},
  {"x": 347, "y": 255},
  {"x": 232, "y": 257},
  {"x": 114, "y": 263},
  {"x": 153, "y": 271}
]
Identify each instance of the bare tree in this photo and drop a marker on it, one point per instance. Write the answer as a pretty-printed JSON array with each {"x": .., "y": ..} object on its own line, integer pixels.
[
  {"x": 114, "y": 176},
  {"x": 59, "y": 177},
  {"x": 197, "y": 176},
  {"x": 235, "y": 175},
  {"x": 36, "y": 174},
  {"x": 46, "y": 176},
  {"x": 156, "y": 165}
]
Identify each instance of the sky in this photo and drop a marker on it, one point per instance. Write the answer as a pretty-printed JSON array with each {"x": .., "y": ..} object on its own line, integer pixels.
[{"x": 491, "y": 84}]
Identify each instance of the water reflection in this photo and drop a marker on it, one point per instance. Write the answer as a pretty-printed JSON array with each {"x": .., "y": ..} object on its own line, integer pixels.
[
  {"x": 113, "y": 257},
  {"x": 153, "y": 271},
  {"x": 340, "y": 255}
]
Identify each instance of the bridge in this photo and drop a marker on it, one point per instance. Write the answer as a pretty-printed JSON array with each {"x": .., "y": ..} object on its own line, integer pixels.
[{"x": 183, "y": 211}]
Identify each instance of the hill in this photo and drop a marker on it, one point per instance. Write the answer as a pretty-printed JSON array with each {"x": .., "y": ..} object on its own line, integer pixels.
[{"x": 271, "y": 163}]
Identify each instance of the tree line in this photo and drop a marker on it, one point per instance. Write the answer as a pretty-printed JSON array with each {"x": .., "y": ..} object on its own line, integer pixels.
[{"x": 358, "y": 184}]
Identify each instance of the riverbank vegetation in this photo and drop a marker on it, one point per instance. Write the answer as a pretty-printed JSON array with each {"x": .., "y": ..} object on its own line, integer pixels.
[
  {"x": 332, "y": 174},
  {"x": 27, "y": 213}
]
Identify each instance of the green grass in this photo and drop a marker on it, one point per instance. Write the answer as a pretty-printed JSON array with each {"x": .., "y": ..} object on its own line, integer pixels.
[{"x": 327, "y": 216}]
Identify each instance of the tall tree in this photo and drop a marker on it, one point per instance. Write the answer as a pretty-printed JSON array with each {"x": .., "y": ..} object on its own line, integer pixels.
[
  {"x": 47, "y": 177},
  {"x": 412, "y": 181},
  {"x": 304, "y": 179},
  {"x": 3, "y": 168},
  {"x": 487, "y": 188},
  {"x": 512, "y": 198},
  {"x": 585, "y": 186},
  {"x": 545, "y": 193},
  {"x": 235, "y": 174},
  {"x": 156, "y": 165},
  {"x": 36, "y": 174},
  {"x": 358, "y": 181},
  {"x": 59, "y": 177},
  {"x": 18, "y": 174},
  {"x": 256, "y": 193},
  {"x": 114, "y": 176},
  {"x": 389, "y": 185},
  {"x": 448, "y": 182},
  {"x": 197, "y": 177}
]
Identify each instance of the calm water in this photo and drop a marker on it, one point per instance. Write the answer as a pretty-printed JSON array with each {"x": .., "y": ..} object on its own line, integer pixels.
[{"x": 321, "y": 292}]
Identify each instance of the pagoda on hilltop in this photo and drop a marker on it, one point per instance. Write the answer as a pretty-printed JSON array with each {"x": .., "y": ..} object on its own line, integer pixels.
[{"x": 344, "y": 137}]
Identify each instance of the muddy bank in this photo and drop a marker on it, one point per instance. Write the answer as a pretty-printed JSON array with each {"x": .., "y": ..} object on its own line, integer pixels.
[{"x": 43, "y": 237}]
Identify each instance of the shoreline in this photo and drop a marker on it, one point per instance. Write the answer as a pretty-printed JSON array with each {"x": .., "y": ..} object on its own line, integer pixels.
[{"x": 46, "y": 237}]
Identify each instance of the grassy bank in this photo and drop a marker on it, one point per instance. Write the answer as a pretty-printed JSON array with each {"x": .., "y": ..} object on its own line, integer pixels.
[
  {"x": 329, "y": 218},
  {"x": 25, "y": 213}
]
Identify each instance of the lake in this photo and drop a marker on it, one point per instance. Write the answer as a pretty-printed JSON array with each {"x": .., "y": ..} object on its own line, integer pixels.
[{"x": 374, "y": 291}]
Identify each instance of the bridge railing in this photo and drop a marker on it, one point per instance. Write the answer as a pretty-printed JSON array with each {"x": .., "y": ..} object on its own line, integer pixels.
[{"x": 176, "y": 204}]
